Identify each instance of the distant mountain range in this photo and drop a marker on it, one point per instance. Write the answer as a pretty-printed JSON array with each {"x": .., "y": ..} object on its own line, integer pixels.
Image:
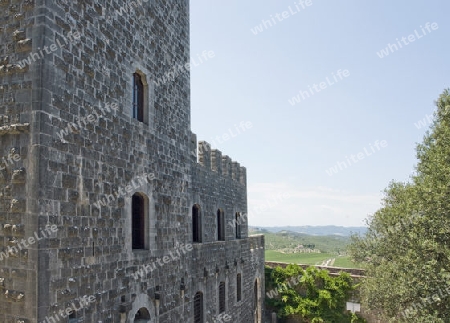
[{"x": 314, "y": 230}]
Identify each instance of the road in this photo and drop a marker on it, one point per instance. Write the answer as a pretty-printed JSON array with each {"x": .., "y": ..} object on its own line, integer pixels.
[{"x": 328, "y": 262}]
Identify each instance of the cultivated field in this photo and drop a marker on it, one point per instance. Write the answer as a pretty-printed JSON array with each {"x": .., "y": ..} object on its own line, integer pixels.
[
  {"x": 311, "y": 259},
  {"x": 315, "y": 250}
]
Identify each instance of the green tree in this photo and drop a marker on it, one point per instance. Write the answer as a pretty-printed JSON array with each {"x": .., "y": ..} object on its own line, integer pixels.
[
  {"x": 406, "y": 249},
  {"x": 311, "y": 295}
]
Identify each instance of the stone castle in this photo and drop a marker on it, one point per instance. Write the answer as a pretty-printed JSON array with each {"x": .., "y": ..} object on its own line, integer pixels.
[{"x": 109, "y": 209}]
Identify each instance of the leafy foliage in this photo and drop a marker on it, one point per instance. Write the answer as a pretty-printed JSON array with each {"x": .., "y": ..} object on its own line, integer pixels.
[
  {"x": 311, "y": 294},
  {"x": 406, "y": 248}
]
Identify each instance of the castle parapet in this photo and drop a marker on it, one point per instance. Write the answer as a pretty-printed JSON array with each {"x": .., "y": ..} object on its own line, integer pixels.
[
  {"x": 204, "y": 154},
  {"x": 226, "y": 166},
  {"x": 236, "y": 171},
  {"x": 214, "y": 160}
]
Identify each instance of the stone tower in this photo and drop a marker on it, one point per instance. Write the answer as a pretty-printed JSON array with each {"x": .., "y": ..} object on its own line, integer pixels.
[{"x": 109, "y": 209}]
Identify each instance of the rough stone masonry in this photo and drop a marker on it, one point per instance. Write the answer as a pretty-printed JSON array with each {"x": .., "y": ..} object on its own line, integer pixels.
[{"x": 60, "y": 62}]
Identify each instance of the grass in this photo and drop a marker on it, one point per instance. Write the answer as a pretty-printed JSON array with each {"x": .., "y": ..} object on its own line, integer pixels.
[
  {"x": 304, "y": 258},
  {"x": 345, "y": 262},
  {"x": 309, "y": 259},
  {"x": 280, "y": 247},
  {"x": 290, "y": 240}
]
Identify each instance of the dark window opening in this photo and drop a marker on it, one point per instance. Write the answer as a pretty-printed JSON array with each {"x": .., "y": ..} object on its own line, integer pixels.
[
  {"x": 222, "y": 297},
  {"x": 138, "y": 98},
  {"x": 138, "y": 221},
  {"x": 196, "y": 224},
  {"x": 220, "y": 225},
  {"x": 238, "y": 225},
  {"x": 142, "y": 316},
  {"x": 238, "y": 287},
  {"x": 255, "y": 298},
  {"x": 73, "y": 318},
  {"x": 198, "y": 308}
]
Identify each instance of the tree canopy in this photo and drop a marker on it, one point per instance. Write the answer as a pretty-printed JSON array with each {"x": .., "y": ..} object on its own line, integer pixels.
[
  {"x": 311, "y": 295},
  {"x": 406, "y": 248}
]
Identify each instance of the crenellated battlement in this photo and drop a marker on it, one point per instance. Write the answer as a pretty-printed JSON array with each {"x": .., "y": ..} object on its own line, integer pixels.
[{"x": 214, "y": 160}]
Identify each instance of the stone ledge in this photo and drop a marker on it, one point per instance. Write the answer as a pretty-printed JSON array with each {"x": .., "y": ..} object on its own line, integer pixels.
[
  {"x": 14, "y": 296},
  {"x": 11, "y": 69},
  {"x": 15, "y": 129}
]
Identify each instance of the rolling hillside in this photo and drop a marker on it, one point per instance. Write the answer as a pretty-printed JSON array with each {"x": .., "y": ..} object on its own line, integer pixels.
[
  {"x": 294, "y": 247},
  {"x": 315, "y": 230},
  {"x": 287, "y": 240}
]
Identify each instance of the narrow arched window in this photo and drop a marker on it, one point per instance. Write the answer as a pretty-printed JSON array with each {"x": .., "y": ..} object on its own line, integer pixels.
[
  {"x": 238, "y": 287},
  {"x": 220, "y": 225},
  {"x": 255, "y": 295},
  {"x": 138, "y": 97},
  {"x": 196, "y": 224},
  {"x": 222, "y": 294},
  {"x": 256, "y": 302},
  {"x": 198, "y": 307},
  {"x": 139, "y": 221},
  {"x": 238, "y": 225}
]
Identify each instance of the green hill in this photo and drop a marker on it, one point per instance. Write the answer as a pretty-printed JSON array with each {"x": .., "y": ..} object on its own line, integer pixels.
[
  {"x": 288, "y": 240},
  {"x": 300, "y": 248}
]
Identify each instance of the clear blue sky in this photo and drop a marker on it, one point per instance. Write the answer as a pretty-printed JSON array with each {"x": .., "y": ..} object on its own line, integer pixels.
[{"x": 289, "y": 148}]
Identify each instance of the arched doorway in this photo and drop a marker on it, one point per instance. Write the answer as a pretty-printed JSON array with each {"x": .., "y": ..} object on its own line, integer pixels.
[
  {"x": 142, "y": 316},
  {"x": 142, "y": 310}
]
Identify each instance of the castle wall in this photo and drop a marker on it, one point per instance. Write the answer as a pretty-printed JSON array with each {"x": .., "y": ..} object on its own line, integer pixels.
[
  {"x": 18, "y": 183},
  {"x": 70, "y": 122},
  {"x": 220, "y": 183}
]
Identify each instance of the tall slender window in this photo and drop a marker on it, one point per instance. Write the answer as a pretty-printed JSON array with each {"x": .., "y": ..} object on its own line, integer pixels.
[
  {"x": 138, "y": 98},
  {"x": 255, "y": 302},
  {"x": 238, "y": 225},
  {"x": 198, "y": 308},
  {"x": 220, "y": 225},
  {"x": 196, "y": 224},
  {"x": 238, "y": 287},
  {"x": 222, "y": 297},
  {"x": 138, "y": 221}
]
